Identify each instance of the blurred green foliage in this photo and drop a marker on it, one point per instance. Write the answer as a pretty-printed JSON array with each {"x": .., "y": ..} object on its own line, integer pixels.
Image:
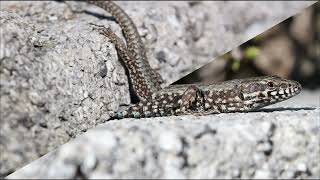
[{"x": 251, "y": 52}]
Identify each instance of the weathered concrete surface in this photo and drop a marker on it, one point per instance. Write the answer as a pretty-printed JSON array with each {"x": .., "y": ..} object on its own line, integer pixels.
[
  {"x": 59, "y": 77},
  {"x": 281, "y": 141}
]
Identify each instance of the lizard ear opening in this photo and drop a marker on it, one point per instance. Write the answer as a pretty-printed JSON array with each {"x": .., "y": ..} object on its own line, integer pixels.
[{"x": 270, "y": 84}]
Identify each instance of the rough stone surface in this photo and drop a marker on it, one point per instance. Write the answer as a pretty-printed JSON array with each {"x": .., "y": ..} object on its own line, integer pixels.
[
  {"x": 59, "y": 77},
  {"x": 55, "y": 84},
  {"x": 281, "y": 141}
]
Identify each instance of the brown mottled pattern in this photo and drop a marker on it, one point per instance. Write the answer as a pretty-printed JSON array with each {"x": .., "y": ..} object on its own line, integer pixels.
[
  {"x": 145, "y": 81},
  {"x": 240, "y": 95}
]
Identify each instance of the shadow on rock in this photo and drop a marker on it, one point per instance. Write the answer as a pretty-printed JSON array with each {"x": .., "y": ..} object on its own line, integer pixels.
[{"x": 284, "y": 109}]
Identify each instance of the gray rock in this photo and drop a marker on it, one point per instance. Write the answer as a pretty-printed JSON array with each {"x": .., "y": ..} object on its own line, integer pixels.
[
  {"x": 59, "y": 77},
  {"x": 281, "y": 141},
  {"x": 55, "y": 84}
]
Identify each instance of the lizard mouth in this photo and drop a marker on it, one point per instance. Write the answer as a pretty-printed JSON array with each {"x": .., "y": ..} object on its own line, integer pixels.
[
  {"x": 291, "y": 90},
  {"x": 271, "y": 96}
]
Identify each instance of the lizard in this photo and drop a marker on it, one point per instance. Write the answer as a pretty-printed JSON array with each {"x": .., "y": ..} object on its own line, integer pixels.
[{"x": 238, "y": 95}]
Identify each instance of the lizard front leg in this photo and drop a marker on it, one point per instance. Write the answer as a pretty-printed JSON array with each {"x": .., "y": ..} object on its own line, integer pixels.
[{"x": 191, "y": 101}]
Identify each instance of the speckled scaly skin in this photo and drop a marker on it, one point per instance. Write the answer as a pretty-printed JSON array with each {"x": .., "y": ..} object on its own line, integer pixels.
[
  {"x": 240, "y": 95},
  {"x": 144, "y": 79}
]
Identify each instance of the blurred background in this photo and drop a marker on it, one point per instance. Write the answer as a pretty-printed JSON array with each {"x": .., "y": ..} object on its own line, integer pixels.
[{"x": 290, "y": 50}]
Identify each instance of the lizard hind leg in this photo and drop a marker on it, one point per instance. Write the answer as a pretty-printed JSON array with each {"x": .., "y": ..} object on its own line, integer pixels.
[
  {"x": 115, "y": 39},
  {"x": 127, "y": 59}
]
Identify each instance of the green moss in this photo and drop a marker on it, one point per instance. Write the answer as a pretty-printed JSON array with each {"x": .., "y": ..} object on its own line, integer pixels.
[
  {"x": 235, "y": 65},
  {"x": 251, "y": 52}
]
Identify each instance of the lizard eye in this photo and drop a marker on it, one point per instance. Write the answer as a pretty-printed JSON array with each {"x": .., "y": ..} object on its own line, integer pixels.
[{"x": 270, "y": 84}]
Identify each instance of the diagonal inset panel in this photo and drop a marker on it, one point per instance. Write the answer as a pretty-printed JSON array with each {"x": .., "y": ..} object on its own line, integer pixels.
[{"x": 238, "y": 145}]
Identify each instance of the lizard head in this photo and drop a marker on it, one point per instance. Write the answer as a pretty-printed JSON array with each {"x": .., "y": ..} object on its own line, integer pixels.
[{"x": 262, "y": 91}]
